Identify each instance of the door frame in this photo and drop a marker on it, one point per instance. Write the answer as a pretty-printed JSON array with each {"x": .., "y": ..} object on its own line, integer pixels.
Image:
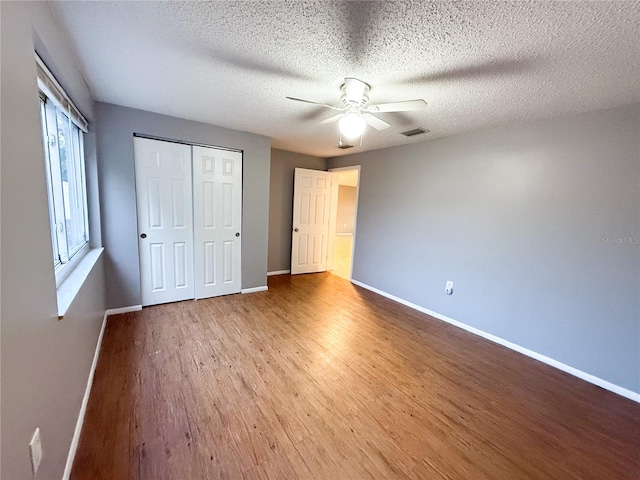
[
  {"x": 188, "y": 143},
  {"x": 333, "y": 220}
]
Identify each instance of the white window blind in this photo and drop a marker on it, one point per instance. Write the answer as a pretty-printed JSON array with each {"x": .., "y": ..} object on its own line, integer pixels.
[{"x": 53, "y": 90}]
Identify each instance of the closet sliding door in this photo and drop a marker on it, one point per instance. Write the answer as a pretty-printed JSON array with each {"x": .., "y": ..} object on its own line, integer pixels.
[
  {"x": 217, "y": 208},
  {"x": 189, "y": 202},
  {"x": 165, "y": 220}
]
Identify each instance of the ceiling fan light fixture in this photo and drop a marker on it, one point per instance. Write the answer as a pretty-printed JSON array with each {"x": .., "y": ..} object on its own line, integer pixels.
[
  {"x": 352, "y": 125},
  {"x": 356, "y": 113}
]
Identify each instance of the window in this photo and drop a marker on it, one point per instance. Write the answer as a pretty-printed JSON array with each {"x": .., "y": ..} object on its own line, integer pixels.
[{"x": 64, "y": 164}]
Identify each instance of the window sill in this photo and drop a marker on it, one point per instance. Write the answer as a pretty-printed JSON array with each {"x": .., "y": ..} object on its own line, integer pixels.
[
  {"x": 71, "y": 285},
  {"x": 64, "y": 270}
]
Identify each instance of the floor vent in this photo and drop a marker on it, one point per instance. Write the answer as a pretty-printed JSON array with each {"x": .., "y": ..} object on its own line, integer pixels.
[{"x": 415, "y": 131}]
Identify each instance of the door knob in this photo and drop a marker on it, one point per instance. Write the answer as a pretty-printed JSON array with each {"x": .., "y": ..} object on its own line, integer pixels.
[
  {"x": 237, "y": 234},
  {"x": 144, "y": 235},
  {"x": 295, "y": 229}
]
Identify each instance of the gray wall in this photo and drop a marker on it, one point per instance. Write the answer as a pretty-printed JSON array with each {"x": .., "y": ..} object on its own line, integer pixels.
[
  {"x": 345, "y": 218},
  {"x": 115, "y": 128},
  {"x": 283, "y": 165},
  {"x": 45, "y": 362},
  {"x": 518, "y": 217}
]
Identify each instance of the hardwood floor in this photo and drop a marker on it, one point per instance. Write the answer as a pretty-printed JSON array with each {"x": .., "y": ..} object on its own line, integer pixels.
[{"x": 317, "y": 378}]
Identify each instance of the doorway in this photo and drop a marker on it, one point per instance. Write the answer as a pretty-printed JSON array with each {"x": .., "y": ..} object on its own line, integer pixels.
[{"x": 345, "y": 224}]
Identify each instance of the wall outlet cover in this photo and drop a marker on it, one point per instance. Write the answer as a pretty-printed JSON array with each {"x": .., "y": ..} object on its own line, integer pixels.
[{"x": 448, "y": 288}]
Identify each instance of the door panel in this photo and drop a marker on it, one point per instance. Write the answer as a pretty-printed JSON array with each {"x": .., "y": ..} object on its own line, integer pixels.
[
  {"x": 180, "y": 264},
  {"x": 209, "y": 263},
  {"x": 228, "y": 273},
  {"x": 157, "y": 267},
  {"x": 164, "y": 198},
  {"x": 178, "y": 203},
  {"x": 208, "y": 208},
  {"x": 309, "y": 241},
  {"x": 217, "y": 193}
]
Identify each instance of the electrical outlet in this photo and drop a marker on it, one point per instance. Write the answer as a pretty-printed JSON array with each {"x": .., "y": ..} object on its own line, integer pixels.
[
  {"x": 35, "y": 447},
  {"x": 448, "y": 288}
]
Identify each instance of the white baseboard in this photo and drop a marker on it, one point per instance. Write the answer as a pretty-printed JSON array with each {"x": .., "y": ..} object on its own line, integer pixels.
[
  {"x": 116, "y": 311},
  {"x": 278, "y": 272},
  {"x": 254, "y": 289},
  {"x": 631, "y": 395},
  {"x": 85, "y": 401}
]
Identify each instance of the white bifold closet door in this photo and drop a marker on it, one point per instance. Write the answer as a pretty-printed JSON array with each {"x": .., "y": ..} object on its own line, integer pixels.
[{"x": 189, "y": 202}]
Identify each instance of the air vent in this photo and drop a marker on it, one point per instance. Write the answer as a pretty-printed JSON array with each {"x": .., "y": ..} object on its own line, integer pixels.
[
  {"x": 344, "y": 146},
  {"x": 414, "y": 132}
]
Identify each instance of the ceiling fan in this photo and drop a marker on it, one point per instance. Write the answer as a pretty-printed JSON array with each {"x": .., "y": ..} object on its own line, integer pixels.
[{"x": 356, "y": 113}]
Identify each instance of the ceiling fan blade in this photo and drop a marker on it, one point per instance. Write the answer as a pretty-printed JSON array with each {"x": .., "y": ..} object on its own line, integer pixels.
[
  {"x": 406, "y": 106},
  {"x": 315, "y": 103},
  {"x": 332, "y": 119},
  {"x": 354, "y": 90},
  {"x": 375, "y": 122}
]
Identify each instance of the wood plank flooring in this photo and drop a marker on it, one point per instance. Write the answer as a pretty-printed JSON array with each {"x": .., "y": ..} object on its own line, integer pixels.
[{"x": 317, "y": 378}]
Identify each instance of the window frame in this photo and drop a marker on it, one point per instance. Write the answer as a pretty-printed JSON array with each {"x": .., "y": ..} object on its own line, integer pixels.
[{"x": 57, "y": 113}]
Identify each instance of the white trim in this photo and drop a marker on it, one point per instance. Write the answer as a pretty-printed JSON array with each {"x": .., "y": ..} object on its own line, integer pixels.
[
  {"x": 355, "y": 213},
  {"x": 190, "y": 144},
  {"x": 63, "y": 270},
  {"x": 352, "y": 167},
  {"x": 116, "y": 311},
  {"x": 612, "y": 387},
  {"x": 278, "y": 272},
  {"x": 254, "y": 289},
  {"x": 333, "y": 219},
  {"x": 85, "y": 401},
  {"x": 77, "y": 274}
]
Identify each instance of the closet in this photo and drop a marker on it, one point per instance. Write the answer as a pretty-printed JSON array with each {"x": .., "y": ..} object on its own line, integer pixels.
[{"x": 189, "y": 204}]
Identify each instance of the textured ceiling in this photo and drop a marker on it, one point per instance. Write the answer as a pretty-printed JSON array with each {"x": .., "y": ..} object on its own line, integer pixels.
[{"x": 477, "y": 64}]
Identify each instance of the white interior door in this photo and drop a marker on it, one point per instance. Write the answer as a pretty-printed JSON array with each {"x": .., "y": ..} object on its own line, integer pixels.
[
  {"x": 217, "y": 195},
  {"x": 310, "y": 236},
  {"x": 165, "y": 228}
]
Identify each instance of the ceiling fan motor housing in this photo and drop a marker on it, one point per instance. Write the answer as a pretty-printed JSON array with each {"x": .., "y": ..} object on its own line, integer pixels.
[{"x": 348, "y": 99}]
